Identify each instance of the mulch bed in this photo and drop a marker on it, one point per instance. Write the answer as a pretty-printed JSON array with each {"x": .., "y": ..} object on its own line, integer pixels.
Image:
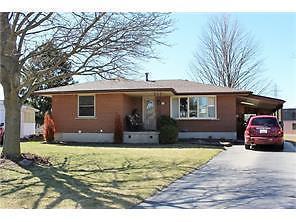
[
  {"x": 39, "y": 160},
  {"x": 28, "y": 159},
  {"x": 32, "y": 138}
]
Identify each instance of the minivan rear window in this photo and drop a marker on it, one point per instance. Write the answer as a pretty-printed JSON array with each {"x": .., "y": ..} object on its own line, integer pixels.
[{"x": 264, "y": 122}]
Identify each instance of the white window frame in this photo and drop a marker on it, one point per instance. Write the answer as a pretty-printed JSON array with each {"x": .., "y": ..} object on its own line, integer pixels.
[
  {"x": 86, "y": 117},
  {"x": 193, "y": 118}
]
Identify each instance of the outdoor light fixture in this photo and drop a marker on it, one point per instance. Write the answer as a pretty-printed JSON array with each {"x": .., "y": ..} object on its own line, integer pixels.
[
  {"x": 159, "y": 102},
  {"x": 246, "y": 103}
]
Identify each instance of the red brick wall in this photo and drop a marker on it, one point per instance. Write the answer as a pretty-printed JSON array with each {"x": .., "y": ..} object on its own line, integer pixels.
[
  {"x": 226, "y": 112},
  {"x": 162, "y": 109},
  {"x": 226, "y": 118},
  {"x": 288, "y": 129},
  {"x": 107, "y": 105}
]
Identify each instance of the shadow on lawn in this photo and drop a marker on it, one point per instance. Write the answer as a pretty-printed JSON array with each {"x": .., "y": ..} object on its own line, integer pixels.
[
  {"x": 89, "y": 191},
  {"x": 74, "y": 189},
  {"x": 58, "y": 179}
]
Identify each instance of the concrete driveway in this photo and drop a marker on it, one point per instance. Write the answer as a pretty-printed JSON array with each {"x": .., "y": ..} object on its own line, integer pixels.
[{"x": 236, "y": 178}]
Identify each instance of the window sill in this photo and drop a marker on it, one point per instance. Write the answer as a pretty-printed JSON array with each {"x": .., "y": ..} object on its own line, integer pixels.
[
  {"x": 197, "y": 119},
  {"x": 86, "y": 117}
]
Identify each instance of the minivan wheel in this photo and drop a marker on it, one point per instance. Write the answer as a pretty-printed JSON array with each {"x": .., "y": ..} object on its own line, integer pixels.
[{"x": 247, "y": 147}]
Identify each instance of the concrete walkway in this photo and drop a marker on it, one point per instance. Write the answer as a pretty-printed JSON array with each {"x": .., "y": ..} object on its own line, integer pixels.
[{"x": 237, "y": 178}]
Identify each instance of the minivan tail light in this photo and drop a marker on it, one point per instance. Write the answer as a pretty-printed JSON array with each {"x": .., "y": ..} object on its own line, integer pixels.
[{"x": 280, "y": 132}]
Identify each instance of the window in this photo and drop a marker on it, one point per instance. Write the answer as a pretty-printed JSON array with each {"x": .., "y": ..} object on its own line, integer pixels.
[
  {"x": 271, "y": 122},
  {"x": 183, "y": 107},
  {"x": 211, "y": 107},
  {"x": 194, "y": 107},
  {"x": 86, "y": 106},
  {"x": 175, "y": 107},
  {"x": 202, "y": 107},
  {"x": 293, "y": 126}
]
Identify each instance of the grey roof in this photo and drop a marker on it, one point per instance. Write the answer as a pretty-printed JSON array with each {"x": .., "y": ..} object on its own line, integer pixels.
[{"x": 178, "y": 87}]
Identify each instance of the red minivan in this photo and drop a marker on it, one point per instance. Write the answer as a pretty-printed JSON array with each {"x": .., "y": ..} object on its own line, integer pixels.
[{"x": 264, "y": 130}]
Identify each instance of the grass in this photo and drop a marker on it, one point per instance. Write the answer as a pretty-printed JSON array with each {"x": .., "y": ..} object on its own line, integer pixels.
[{"x": 90, "y": 177}]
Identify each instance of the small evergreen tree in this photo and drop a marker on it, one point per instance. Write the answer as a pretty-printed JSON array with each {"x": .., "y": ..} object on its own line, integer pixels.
[{"x": 48, "y": 128}]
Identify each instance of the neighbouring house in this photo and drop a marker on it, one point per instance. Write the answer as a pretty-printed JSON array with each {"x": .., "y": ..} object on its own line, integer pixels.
[
  {"x": 86, "y": 112},
  {"x": 289, "y": 121},
  {"x": 27, "y": 119}
]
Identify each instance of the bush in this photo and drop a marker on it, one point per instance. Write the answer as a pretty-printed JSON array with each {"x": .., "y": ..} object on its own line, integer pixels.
[
  {"x": 166, "y": 120},
  {"x": 49, "y": 128},
  {"x": 118, "y": 129},
  {"x": 168, "y": 130}
]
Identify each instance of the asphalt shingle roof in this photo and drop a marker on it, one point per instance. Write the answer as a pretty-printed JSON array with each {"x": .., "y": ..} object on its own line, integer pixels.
[{"x": 175, "y": 86}]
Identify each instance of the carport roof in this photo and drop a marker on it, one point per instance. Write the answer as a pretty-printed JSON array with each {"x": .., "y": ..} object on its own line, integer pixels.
[{"x": 262, "y": 102}]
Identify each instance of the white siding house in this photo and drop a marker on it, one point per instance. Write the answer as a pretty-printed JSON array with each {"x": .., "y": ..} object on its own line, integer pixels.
[{"x": 27, "y": 119}]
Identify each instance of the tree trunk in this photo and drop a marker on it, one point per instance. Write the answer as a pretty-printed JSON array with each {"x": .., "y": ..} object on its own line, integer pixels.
[
  {"x": 10, "y": 80},
  {"x": 11, "y": 146}
]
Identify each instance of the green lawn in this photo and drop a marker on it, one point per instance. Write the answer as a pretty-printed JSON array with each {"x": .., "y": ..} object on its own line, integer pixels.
[{"x": 92, "y": 177}]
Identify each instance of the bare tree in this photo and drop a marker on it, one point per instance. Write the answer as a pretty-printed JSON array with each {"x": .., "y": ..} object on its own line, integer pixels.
[
  {"x": 102, "y": 44},
  {"x": 42, "y": 103},
  {"x": 228, "y": 57}
]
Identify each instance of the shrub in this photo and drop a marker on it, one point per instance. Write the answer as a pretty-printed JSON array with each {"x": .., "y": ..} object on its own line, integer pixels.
[
  {"x": 166, "y": 120},
  {"x": 49, "y": 128},
  {"x": 118, "y": 129},
  {"x": 168, "y": 130}
]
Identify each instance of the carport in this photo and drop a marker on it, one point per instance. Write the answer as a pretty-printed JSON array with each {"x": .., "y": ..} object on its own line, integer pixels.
[{"x": 256, "y": 105}]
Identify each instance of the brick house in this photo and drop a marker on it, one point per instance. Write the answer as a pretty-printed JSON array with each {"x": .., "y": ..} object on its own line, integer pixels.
[
  {"x": 85, "y": 112},
  {"x": 289, "y": 120}
]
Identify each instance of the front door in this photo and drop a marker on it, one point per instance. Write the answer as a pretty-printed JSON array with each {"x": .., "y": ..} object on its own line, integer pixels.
[{"x": 149, "y": 116}]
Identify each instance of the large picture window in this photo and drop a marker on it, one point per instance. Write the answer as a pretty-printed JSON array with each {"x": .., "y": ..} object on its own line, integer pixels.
[
  {"x": 194, "y": 107},
  {"x": 86, "y": 106}
]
